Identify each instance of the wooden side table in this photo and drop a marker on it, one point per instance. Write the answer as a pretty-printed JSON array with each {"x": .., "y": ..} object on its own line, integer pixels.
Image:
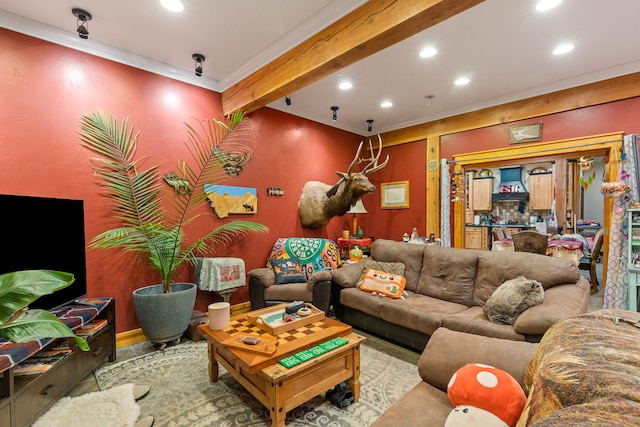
[{"x": 346, "y": 245}]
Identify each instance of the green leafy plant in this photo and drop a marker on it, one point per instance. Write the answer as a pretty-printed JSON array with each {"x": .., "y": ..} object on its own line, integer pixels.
[
  {"x": 18, "y": 323},
  {"x": 154, "y": 218}
]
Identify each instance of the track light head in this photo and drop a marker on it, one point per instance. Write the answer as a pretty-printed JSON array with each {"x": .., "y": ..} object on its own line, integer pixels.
[
  {"x": 287, "y": 99},
  {"x": 370, "y": 125},
  {"x": 82, "y": 17},
  {"x": 334, "y": 117},
  {"x": 199, "y": 58}
]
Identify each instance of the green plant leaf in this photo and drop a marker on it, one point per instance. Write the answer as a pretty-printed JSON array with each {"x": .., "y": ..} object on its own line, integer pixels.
[{"x": 39, "y": 324}]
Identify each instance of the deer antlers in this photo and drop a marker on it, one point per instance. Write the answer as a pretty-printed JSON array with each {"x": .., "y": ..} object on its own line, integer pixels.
[{"x": 371, "y": 167}]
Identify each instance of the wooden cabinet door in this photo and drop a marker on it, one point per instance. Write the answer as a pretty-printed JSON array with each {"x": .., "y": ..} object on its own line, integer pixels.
[
  {"x": 482, "y": 191},
  {"x": 541, "y": 191},
  {"x": 476, "y": 238}
]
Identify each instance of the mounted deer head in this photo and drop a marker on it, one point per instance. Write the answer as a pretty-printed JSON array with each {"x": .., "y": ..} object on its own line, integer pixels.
[{"x": 320, "y": 202}]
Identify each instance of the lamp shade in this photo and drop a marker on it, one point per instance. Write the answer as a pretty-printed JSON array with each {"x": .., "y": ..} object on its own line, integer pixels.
[{"x": 357, "y": 208}]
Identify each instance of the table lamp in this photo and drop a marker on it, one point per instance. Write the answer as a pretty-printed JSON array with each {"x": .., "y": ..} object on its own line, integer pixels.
[{"x": 356, "y": 208}]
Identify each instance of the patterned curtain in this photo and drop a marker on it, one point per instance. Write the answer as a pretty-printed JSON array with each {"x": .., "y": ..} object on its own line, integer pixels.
[
  {"x": 616, "y": 288},
  {"x": 445, "y": 204}
]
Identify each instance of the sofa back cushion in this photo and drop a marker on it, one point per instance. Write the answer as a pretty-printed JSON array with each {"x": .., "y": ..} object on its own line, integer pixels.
[
  {"x": 409, "y": 254},
  {"x": 449, "y": 274},
  {"x": 313, "y": 254},
  {"x": 495, "y": 268}
]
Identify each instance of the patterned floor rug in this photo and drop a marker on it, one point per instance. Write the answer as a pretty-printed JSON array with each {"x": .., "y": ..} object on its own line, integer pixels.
[{"x": 181, "y": 394}]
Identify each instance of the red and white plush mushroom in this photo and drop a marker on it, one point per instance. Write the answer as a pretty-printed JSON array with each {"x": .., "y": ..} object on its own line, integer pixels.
[{"x": 484, "y": 396}]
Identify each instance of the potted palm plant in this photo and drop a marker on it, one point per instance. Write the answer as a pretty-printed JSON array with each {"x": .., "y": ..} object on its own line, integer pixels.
[
  {"x": 153, "y": 217},
  {"x": 18, "y": 323}
]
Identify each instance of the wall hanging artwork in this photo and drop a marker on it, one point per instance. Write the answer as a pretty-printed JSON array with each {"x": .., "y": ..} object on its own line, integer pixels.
[
  {"x": 228, "y": 199},
  {"x": 394, "y": 195}
]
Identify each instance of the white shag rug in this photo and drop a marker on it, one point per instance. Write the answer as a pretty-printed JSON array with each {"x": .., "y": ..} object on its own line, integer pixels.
[{"x": 115, "y": 407}]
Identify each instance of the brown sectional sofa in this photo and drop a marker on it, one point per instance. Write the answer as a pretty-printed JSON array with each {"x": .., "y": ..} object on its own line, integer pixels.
[
  {"x": 448, "y": 287},
  {"x": 584, "y": 372}
]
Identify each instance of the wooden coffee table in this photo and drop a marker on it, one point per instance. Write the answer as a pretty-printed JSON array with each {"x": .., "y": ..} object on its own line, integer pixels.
[{"x": 276, "y": 387}]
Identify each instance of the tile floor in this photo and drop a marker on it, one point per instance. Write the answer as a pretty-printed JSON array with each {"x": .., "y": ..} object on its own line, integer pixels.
[{"x": 401, "y": 352}]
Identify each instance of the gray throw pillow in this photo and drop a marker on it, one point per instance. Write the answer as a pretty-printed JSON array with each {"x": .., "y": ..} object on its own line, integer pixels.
[
  {"x": 396, "y": 268},
  {"x": 512, "y": 298}
]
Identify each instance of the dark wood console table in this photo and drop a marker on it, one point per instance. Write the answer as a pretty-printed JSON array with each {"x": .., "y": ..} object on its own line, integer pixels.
[{"x": 24, "y": 398}]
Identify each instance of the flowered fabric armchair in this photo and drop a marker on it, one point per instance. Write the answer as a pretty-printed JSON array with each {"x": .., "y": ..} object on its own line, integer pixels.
[{"x": 298, "y": 269}]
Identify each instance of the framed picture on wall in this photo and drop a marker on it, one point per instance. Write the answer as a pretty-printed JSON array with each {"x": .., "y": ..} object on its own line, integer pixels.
[{"x": 394, "y": 195}]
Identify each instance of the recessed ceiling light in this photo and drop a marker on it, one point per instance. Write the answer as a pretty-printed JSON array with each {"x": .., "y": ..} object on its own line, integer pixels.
[
  {"x": 564, "y": 48},
  {"x": 547, "y": 4},
  {"x": 462, "y": 81},
  {"x": 172, "y": 5},
  {"x": 345, "y": 85},
  {"x": 428, "y": 52},
  {"x": 386, "y": 104}
]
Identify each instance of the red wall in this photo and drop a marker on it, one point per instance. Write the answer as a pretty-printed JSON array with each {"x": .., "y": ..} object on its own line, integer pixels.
[{"x": 45, "y": 90}]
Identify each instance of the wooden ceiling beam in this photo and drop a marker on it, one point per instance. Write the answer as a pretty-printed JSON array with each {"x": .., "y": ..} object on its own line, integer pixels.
[
  {"x": 374, "y": 26},
  {"x": 601, "y": 92}
]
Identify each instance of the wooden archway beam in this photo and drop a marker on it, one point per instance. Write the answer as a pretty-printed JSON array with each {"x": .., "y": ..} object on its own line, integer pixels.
[{"x": 374, "y": 26}]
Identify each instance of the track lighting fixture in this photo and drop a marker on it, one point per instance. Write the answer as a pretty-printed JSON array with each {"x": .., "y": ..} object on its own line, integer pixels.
[
  {"x": 287, "y": 99},
  {"x": 82, "y": 17},
  {"x": 370, "y": 125},
  {"x": 335, "y": 113},
  {"x": 199, "y": 58}
]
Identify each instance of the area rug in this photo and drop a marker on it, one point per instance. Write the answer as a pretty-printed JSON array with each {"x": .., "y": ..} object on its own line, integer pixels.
[
  {"x": 182, "y": 395},
  {"x": 114, "y": 407}
]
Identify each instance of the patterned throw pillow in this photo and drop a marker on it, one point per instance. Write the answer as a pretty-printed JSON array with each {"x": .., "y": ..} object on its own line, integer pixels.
[
  {"x": 288, "y": 271},
  {"x": 380, "y": 282}
]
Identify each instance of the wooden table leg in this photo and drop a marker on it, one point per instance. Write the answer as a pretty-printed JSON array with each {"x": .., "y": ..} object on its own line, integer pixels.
[
  {"x": 276, "y": 404},
  {"x": 213, "y": 364},
  {"x": 354, "y": 382}
]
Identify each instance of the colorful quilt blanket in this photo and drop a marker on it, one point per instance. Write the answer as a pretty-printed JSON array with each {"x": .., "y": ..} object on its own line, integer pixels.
[{"x": 313, "y": 254}]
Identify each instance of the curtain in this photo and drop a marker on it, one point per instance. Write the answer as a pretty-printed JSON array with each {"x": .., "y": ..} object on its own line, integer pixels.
[
  {"x": 445, "y": 204},
  {"x": 616, "y": 287}
]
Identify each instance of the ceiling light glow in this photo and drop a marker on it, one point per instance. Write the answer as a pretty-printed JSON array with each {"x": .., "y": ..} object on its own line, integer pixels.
[
  {"x": 564, "y": 48},
  {"x": 462, "y": 81},
  {"x": 547, "y": 4},
  {"x": 172, "y": 5},
  {"x": 345, "y": 85},
  {"x": 428, "y": 52},
  {"x": 386, "y": 104}
]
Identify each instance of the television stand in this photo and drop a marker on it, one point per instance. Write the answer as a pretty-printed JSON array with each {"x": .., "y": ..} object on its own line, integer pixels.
[{"x": 24, "y": 398}]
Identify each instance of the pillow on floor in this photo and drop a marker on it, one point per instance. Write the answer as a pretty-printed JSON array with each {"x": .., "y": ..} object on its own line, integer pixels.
[
  {"x": 288, "y": 270},
  {"x": 512, "y": 298}
]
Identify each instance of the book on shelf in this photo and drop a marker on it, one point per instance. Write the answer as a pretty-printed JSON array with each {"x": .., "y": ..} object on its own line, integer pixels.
[
  {"x": 91, "y": 327},
  {"x": 41, "y": 362}
]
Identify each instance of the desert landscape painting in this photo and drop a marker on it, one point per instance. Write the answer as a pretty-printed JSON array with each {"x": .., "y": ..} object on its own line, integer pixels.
[{"x": 228, "y": 199}]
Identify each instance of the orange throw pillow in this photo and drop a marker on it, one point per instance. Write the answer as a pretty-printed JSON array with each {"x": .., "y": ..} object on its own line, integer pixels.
[{"x": 390, "y": 285}]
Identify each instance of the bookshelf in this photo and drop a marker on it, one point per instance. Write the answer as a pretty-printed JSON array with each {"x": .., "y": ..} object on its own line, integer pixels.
[
  {"x": 633, "y": 262},
  {"x": 23, "y": 398}
]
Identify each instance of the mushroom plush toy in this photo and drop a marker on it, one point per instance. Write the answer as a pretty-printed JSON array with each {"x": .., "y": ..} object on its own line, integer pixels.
[{"x": 484, "y": 396}]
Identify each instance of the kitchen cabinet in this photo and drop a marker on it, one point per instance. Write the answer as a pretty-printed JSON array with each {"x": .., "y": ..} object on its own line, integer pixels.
[
  {"x": 482, "y": 191},
  {"x": 540, "y": 191},
  {"x": 477, "y": 237}
]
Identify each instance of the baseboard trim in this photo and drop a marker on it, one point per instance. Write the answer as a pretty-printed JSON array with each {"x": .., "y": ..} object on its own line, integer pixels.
[{"x": 136, "y": 336}]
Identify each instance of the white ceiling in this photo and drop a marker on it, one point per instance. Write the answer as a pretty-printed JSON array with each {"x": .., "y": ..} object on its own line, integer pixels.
[{"x": 503, "y": 46}]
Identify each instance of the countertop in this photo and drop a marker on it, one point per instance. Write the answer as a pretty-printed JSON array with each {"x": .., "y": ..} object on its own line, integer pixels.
[{"x": 502, "y": 225}]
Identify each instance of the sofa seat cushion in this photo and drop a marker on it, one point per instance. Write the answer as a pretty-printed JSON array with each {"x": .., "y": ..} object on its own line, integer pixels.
[
  {"x": 473, "y": 321},
  {"x": 424, "y": 405},
  {"x": 410, "y": 255},
  {"x": 361, "y": 301},
  {"x": 418, "y": 312},
  {"x": 559, "y": 302},
  {"x": 495, "y": 268},
  {"x": 449, "y": 274},
  {"x": 288, "y": 292}
]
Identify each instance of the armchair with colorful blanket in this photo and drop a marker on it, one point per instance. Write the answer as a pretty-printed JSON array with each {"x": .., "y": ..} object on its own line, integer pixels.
[{"x": 298, "y": 269}]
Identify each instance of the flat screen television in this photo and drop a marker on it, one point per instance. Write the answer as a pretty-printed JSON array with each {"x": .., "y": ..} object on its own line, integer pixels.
[{"x": 40, "y": 233}]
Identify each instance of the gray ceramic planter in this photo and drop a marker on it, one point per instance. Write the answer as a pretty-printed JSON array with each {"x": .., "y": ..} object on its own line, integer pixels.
[{"x": 164, "y": 317}]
